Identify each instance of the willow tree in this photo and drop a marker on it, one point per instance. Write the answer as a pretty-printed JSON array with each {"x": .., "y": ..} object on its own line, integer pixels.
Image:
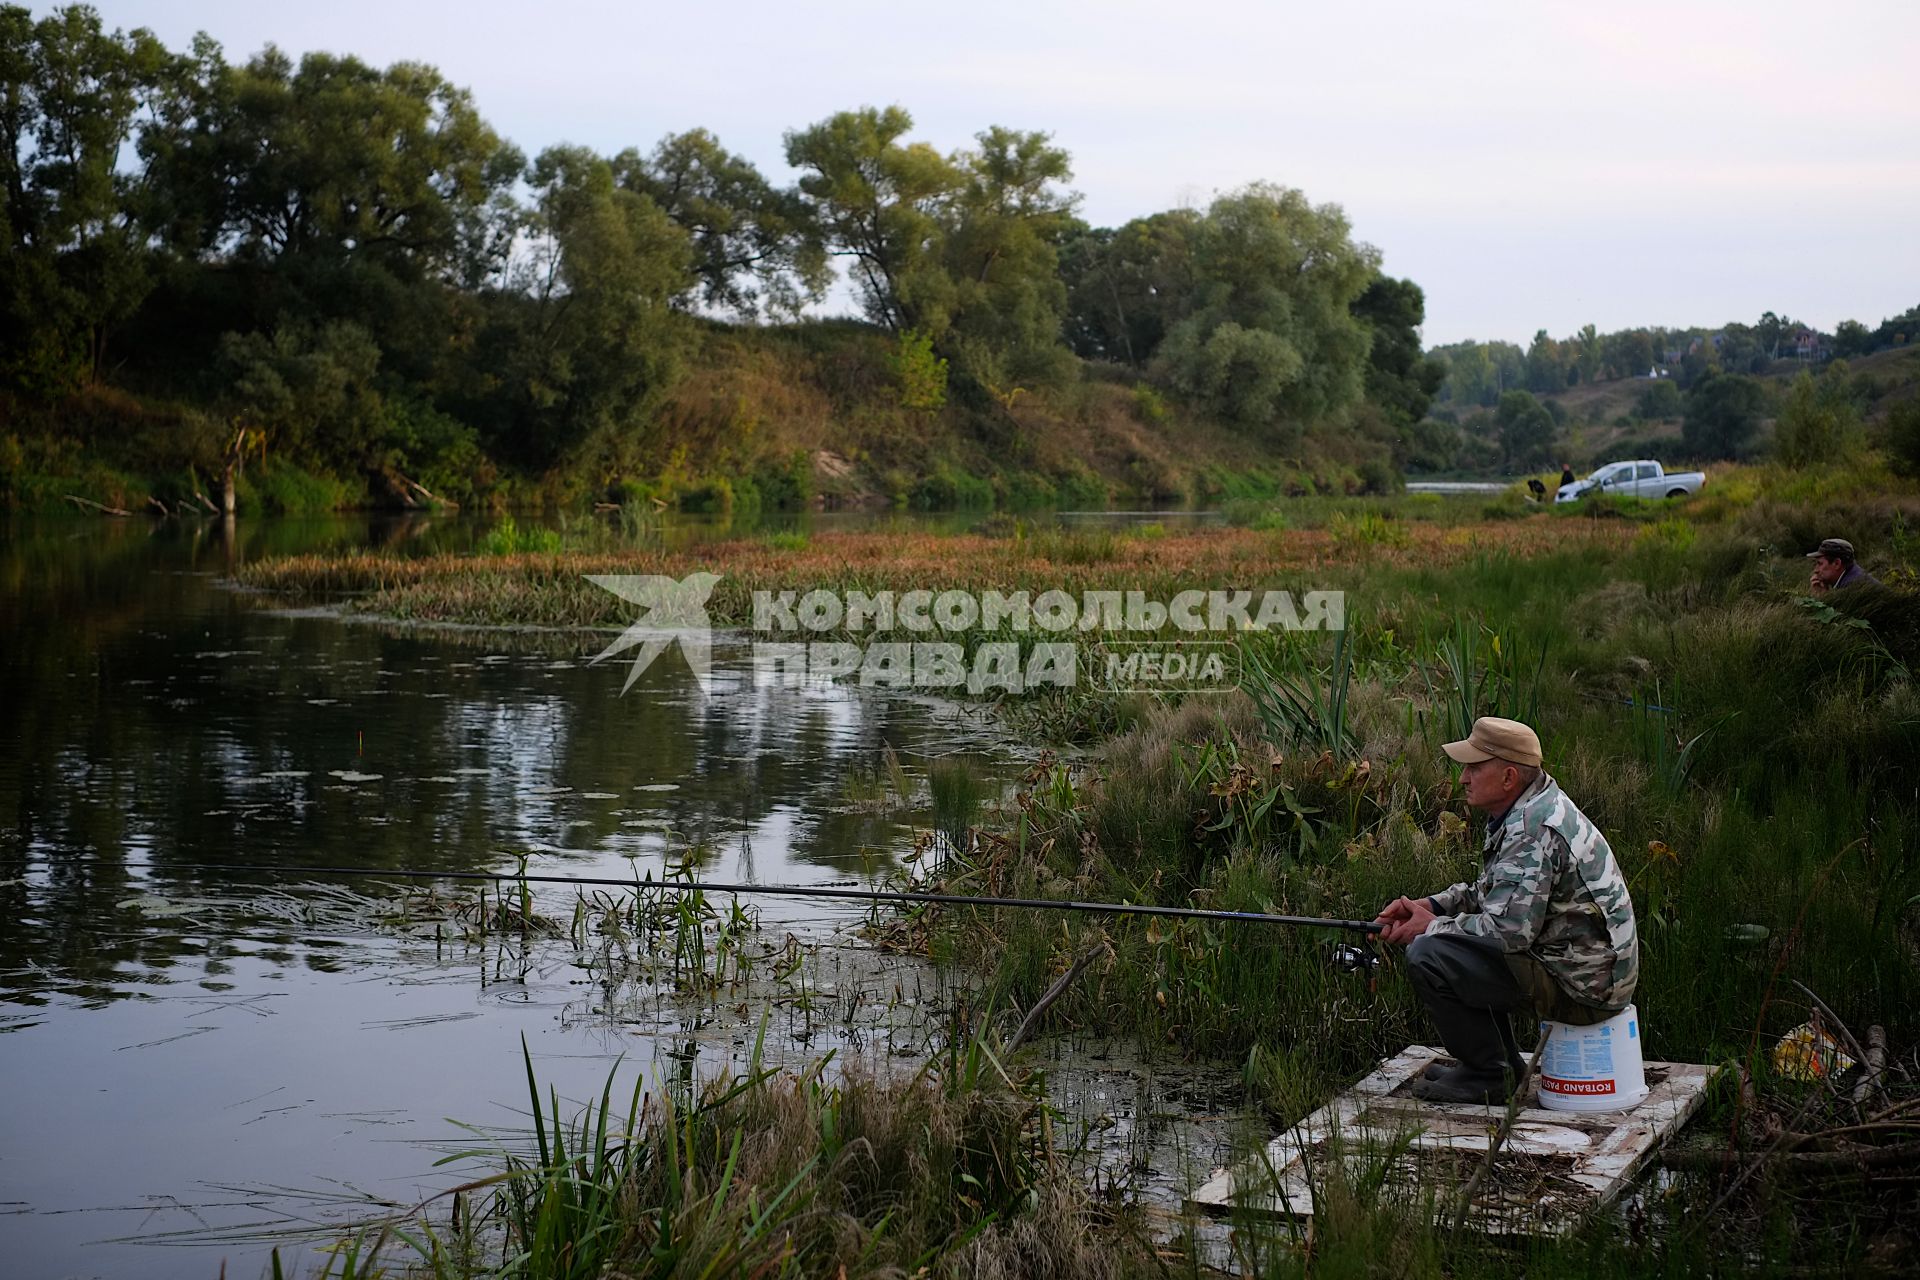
[
  {"x": 78, "y": 260},
  {"x": 1000, "y": 254},
  {"x": 1271, "y": 336},
  {"x": 1128, "y": 286},
  {"x": 597, "y": 342},
  {"x": 755, "y": 251},
  {"x": 876, "y": 200}
]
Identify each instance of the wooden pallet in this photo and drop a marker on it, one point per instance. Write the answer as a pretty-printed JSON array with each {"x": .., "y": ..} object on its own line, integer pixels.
[{"x": 1556, "y": 1166}]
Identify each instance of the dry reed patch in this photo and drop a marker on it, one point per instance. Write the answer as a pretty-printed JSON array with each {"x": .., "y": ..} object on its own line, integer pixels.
[
  {"x": 550, "y": 589},
  {"x": 1222, "y": 555}
]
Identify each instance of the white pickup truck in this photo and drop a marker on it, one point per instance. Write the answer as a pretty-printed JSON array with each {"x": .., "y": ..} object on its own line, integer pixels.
[{"x": 1642, "y": 478}]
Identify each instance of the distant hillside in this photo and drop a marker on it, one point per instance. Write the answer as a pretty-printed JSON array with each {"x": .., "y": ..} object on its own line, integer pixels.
[
  {"x": 1612, "y": 418},
  {"x": 826, "y": 398},
  {"x": 1897, "y": 373},
  {"x": 763, "y": 417},
  {"x": 1898, "y": 369}
]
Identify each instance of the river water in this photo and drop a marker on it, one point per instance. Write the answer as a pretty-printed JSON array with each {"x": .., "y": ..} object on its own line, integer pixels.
[{"x": 194, "y": 1062}]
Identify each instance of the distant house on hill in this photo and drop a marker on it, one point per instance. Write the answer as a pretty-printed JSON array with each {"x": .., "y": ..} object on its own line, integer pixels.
[{"x": 1805, "y": 344}]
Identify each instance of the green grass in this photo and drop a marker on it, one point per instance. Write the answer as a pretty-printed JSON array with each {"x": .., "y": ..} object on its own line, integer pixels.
[
  {"x": 945, "y": 1172},
  {"x": 1074, "y": 546},
  {"x": 1358, "y": 519},
  {"x": 508, "y": 539},
  {"x": 1366, "y": 529},
  {"x": 959, "y": 790},
  {"x": 1768, "y": 787},
  {"x": 283, "y": 489}
]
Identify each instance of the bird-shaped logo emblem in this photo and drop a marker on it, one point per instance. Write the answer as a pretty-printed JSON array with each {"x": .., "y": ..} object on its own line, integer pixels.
[{"x": 674, "y": 611}]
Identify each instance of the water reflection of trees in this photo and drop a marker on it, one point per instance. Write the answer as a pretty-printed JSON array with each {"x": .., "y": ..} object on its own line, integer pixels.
[{"x": 154, "y": 709}]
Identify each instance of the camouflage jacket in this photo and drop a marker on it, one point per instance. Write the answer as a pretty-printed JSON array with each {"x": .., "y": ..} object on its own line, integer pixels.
[{"x": 1549, "y": 886}]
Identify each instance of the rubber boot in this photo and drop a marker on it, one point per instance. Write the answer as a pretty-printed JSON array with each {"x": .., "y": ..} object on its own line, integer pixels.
[
  {"x": 1518, "y": 1065},
  {"x": 1477, "y": 1039},
  {"x": 1516, "y": 1060}
]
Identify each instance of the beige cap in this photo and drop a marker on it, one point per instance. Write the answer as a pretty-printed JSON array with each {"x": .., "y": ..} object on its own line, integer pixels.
[{"x": 1496, "y": 739}]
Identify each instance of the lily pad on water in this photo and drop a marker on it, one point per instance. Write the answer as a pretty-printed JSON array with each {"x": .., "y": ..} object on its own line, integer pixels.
[
  {"x": 155, "y": 907},
  {"x": 348, "y": 775},
  {"x": 658, "y": 786}
]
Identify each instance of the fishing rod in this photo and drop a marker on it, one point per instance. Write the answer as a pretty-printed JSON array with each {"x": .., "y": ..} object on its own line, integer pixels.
[{"x": 812, "y": 891}]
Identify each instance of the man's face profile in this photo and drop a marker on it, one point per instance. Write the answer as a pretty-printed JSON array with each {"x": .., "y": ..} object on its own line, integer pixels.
[{"x": 1485, "y": 783}]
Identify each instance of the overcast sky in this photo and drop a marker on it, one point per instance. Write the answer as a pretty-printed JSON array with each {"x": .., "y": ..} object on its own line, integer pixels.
[{"x": 1530, "y": 165}]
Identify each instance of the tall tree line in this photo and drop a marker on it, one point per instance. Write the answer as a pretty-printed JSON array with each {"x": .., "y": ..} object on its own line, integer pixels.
[{"x": 349, "y": 262}]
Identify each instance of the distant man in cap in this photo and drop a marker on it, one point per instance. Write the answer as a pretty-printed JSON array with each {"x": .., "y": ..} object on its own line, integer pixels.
[
  {"x": 1547, "y": 925},
  {"x": 1834, "y": 566}
]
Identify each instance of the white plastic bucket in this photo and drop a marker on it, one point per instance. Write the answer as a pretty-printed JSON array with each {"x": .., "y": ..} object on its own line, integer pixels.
[{"x": 1597, "y": 1068}]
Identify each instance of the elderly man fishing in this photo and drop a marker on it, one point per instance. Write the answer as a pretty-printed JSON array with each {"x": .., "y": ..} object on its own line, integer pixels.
[{"x": 1547, "y": 925}]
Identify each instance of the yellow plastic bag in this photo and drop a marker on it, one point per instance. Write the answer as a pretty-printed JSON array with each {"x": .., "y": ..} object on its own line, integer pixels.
[{"x": 1809, "y": 1053}]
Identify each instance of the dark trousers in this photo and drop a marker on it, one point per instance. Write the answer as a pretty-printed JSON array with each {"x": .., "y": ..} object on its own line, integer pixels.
[
  {"x": 1469, "y": 971},
  {"x": 1469, "y": 987},
  {"x": 1481, "y": 974}
]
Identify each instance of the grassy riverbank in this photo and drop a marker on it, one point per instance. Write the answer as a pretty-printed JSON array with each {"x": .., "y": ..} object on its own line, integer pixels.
[
  {"x": 951, "y": 1171},
  {"x": 956, "y": 1171},
  {"x": 1747, "y": 749}
]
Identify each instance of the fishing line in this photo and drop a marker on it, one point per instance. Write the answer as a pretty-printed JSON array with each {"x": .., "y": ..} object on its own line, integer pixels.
[{"x": 809, "y": 891}]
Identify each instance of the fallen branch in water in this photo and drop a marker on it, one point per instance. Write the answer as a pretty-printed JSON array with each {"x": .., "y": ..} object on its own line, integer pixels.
[
  {"x": 416, "y": 487},
  {"x": 88, "y": 505}
]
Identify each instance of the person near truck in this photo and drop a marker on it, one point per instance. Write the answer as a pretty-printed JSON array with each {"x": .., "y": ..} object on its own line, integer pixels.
[
  {"x": 1547, "y": 924},
  {"x": 1834, "y": 566}
]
